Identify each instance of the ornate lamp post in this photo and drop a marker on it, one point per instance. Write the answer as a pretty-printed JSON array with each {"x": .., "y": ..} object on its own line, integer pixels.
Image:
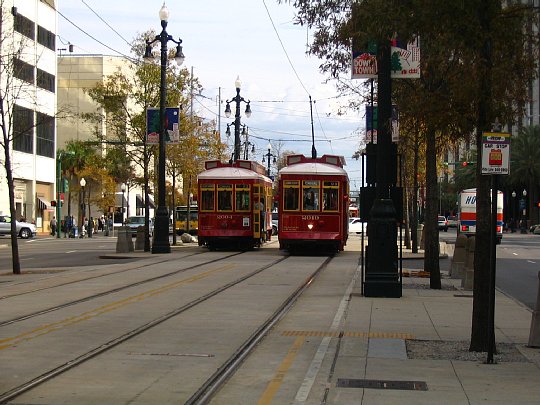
[
  {"x": 237, "y": 99},
  {"x": 82, "y": 182},
  {"x": 523, "y": 208},
  {"x": 268, "y": 155},
  {"x": 161, "y": 227},
  {"x": 123, "y": 189},
  {"x": 513, "y": 223}
]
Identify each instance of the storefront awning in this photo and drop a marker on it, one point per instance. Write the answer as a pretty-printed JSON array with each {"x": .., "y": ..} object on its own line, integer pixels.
[
  {"x": 120, "y": 201},
  {"x": 139, "y": 201},
  {"x": 44, "y": 204}
]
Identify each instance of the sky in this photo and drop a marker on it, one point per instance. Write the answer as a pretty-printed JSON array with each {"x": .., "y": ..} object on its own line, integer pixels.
[{"x": 254, "y": 40}]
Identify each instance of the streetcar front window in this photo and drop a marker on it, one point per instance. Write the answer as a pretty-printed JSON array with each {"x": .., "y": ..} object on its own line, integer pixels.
[
  {"x": 291, "y": 198},
  {"x": 310, "y": 189},
  {"x": 225, "y": 197},
  {"x": 242, "y": 198}
]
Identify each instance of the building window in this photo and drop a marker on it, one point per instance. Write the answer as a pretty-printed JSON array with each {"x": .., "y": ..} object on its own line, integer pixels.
[
  {"x": 23, "y": 129},
  {"x": 23, "y": 71},
  {"x": 25, "y": 26},
  {"x": 46, "y": 38},
  {"x": 45, "y": 135},
  {"x": 45, "y": 80}
]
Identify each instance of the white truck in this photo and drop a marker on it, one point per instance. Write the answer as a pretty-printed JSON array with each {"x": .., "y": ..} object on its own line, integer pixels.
[{"x": 467, "y": 213}]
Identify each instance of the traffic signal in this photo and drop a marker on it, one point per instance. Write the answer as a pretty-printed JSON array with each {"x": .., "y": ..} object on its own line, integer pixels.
[
  {"x": 53, "y": 203},
  {"x": 464, "y": 164}
]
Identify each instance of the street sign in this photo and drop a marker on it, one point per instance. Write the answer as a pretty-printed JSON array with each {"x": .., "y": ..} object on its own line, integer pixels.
[{"x": 495, "y": 153}]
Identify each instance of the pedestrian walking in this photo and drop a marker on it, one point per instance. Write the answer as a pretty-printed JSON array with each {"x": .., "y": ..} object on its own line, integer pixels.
[
  {"x": 53, "y": 226},
  {"x": 90, "y": 227}
]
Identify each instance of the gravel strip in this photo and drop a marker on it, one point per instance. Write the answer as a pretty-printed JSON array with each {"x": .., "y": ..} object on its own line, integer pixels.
[{"x": 459, "y": 350}]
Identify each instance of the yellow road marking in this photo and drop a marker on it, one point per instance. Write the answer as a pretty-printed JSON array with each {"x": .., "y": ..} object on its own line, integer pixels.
[
  {"x": 383, "y": 335},
  {"x": 274, "y": 385},
  {"x": 45, "y": 329}
]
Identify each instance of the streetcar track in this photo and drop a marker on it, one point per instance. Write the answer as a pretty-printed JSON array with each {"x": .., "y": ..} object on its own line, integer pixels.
[
  {"x": 22, "y": 388},
  {"x": 105, "y": 293},
  {"x": 88, "y": 278},
  {"x": 223, "y": 373}
]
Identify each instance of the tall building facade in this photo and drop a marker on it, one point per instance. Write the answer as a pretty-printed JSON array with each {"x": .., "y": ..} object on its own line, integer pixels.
[{"x": 28, "y": 80}]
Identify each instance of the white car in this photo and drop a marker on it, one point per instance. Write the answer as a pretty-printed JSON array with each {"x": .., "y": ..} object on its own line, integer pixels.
[
  {"x": 25, "y": 230},
  {"x": 134, "y": 222},
  {"x": 357, "y": 226}
]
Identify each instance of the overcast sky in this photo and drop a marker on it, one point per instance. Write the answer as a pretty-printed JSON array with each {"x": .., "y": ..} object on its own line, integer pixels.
[{"x": 223, "y": 40}]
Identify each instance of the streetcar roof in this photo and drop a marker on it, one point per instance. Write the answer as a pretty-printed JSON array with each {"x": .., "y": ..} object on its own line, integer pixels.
[
  {"x": 231, "y": 173},
  {"x": 314, "y": 168}
]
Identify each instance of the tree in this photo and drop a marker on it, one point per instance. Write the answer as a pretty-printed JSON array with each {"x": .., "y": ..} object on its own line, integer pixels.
[
  {"x": 21, "y": 112},
  {"x": 467, "y": 58},
  {"x": 525, "y": 165}
]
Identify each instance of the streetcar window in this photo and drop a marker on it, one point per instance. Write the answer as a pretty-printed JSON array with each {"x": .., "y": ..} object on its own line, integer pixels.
[
  {"x": 291, "y": 197},
  {"x": 207, "y": 197},
  {"x": 330, "y": 196},
  {"x": 242, "y": 198},
  {"x": 310, "y": 189},
  {"x": 225, "y": 196}
]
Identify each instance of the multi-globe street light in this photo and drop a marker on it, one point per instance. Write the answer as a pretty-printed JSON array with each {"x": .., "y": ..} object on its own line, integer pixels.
[
  {"x": 161, "y": 226},
  {"x": 82, "y": 183},
  {"x": 237, "y": 99},
  {"x": 268, "y": 155}
]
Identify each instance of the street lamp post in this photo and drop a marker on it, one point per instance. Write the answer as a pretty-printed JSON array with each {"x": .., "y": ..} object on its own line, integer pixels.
[
  {"x": 123, "y": 189},
  {"x": 82, "y": 182},
  {"x": 268, "y": 155},
  {"x": 237, "y": 99},
  {"x": 523, "y": 206},
  {"x": 513, "y": 222},
  {"x": 161, "y": 226}
]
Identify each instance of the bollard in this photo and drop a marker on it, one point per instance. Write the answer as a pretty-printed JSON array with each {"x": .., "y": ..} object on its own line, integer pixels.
[
  {"x": 534, "y": 336},
  {"x": 457, "y": 267},
  {"x": 139, "y": 242},
  {"x": 468, "y": 277},
  {"x": 420, "y": 236},
  {"x": 124, "y": 244}
]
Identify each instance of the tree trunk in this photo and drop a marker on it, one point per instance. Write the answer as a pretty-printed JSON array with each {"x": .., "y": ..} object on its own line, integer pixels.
[
  {"x": 414, "y": 226},
  {"x": 431, "y": 229}
]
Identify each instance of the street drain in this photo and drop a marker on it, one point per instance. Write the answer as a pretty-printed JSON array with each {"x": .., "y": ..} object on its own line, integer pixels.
[{"x": 382, "y": 384}]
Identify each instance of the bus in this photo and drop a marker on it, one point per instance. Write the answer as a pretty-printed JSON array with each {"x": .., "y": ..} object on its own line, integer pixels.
[
  {"x": 181, "y": 222},
  {"x": 467, "y": 213}
]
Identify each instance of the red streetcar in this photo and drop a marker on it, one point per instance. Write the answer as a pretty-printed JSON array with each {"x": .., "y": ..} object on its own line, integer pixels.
[
  {"x": 235, "y": 201},
  {"x": 313, "y": 203}
]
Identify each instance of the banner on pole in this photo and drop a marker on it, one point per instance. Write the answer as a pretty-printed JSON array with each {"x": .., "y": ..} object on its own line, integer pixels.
[{"x": 172, "y": 132}]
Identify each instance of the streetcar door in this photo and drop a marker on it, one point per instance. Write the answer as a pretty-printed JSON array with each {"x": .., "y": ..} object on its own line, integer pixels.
[{"x": 257, "y": 210}]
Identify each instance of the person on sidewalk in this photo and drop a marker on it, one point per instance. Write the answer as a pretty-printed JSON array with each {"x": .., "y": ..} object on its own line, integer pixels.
[
  {"x": 90, "y": 227},
  {"x": 53, "y": 226}
]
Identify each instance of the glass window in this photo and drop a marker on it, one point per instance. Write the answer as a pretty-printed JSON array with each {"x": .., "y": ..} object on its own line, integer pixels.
[
  {"x": 45, "y": 80},
  {"x": 46, "y": 38},
  {"x": 45, "y": 135},
  {"x": 225, "y": 197},
  {"x": 330, "y": 196},
  {"x": 23, "y": 70},
  {"x": 25, "y": 26},
  {"x": 242, "y": 198},
  {"x": 207, "y": 197},
  {"x": 310, "y": 190},
  {"x": 291, "y": 195},
  {"x": 23, "y": 129}
]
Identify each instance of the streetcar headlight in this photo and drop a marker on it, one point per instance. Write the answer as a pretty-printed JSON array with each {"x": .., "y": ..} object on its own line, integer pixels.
[{"x": 310, "y": 226}]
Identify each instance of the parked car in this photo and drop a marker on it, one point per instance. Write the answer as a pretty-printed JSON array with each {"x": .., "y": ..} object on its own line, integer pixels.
[
  {"x": 275, "y": 223},
  {"x": 134, "y": 222},
  {"x": 443, "y": 223},
  {"x": 25, "y": 230},
  {"x": 356, "y": 225},
  {"x": 452, "y": 221}
]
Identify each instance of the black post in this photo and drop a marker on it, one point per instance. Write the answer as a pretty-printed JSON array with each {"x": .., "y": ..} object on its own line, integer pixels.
[
  {"x": 382, "y": 277},
  {"x": 493, "y": 267},
  {"x": 161, "y": 226},
  {"x": 237, "y": 99}
]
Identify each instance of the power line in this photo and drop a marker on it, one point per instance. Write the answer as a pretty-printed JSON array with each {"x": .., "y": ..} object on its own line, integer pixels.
[
  {"x": 95, "y": 39},
  {"x": 106, "y": 23}
]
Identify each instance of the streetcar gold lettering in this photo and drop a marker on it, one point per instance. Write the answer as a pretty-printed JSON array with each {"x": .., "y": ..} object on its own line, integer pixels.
[
  {"x": 310, "y": 217},
  {"x": 224, "y": 216}
]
